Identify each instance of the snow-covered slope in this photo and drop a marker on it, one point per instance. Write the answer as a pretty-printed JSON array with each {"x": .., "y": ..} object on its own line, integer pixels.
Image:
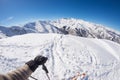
[
  {"x": 42, "y": 27},
  {"x": 70, "y": 26},
  {"x": 99, "y": 59}
]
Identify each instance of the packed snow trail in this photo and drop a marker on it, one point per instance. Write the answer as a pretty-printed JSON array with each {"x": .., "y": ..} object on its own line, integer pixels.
[{"x": 67, "y": 55}]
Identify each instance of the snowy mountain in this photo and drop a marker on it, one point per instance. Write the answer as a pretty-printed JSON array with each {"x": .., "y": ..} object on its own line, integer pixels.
[
  {"x": 86, "y": 29},
  {"x": 42, "y": 27},
  {"x": 68, "y": 55},
  {"x": 14, "y": 30},
  {"x": 70, "y": 26},
  {"x": 33, "y": 27}
]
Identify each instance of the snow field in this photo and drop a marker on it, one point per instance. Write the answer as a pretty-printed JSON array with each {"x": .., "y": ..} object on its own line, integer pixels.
[{"x": 67, "y": 55}]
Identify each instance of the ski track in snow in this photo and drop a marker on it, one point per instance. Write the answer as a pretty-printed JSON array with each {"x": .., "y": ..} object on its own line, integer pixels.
[{"x": 67, "y": 55}]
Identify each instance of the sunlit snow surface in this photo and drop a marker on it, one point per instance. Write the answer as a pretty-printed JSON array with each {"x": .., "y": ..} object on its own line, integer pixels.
[{"x": 67, "y": 55}]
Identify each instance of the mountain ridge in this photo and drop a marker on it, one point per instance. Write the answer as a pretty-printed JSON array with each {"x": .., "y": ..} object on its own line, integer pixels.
[{"x": 70, "y": 26}]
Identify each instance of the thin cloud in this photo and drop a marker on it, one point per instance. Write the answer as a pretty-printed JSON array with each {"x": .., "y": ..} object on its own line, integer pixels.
[{"x": 10, "y": 18}]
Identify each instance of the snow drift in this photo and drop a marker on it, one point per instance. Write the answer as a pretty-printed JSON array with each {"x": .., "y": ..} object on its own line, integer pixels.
[{"x": 67, "y": 55}]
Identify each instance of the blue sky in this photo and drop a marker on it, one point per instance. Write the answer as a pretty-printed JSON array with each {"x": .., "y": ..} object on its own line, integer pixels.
[{"x": 106, "y": 12}]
